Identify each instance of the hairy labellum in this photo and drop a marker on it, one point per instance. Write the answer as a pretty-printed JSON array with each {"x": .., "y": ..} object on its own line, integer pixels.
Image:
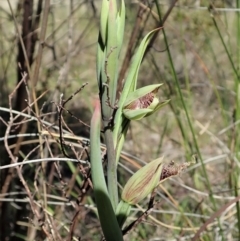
[
  {"x": 143, "y": 102},
  {"x": 171, "y": 169}
]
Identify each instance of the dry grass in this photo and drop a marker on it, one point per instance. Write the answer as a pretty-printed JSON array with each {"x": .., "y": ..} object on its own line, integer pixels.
[{"x": 48, "y": 200}]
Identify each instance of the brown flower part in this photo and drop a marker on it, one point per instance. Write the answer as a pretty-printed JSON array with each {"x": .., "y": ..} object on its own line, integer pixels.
[
  {"x": 143, "y": 102},
  {"x": 172, "y": 170}
]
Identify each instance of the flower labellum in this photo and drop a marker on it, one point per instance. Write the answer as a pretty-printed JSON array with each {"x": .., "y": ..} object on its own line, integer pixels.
[
  {"x": 142, "y": 102},
  {"x": 143, "y": 182}
]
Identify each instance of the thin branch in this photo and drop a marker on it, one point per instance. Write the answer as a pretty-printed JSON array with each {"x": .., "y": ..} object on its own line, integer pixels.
[
  {"x": 31, "y": 201},
  {"x": 61, "y": 106},
  {"x": 42, "y": 160}
]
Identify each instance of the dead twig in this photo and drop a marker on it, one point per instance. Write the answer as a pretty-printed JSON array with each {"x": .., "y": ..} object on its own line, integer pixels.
[{"x": 61, "y": 106}]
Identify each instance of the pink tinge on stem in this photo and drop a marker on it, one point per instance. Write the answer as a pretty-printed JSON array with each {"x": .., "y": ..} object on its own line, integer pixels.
[{"x": 97, "y": 110}]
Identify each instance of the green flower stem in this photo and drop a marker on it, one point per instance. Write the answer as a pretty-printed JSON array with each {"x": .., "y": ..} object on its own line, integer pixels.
[
  {"x": 108, "y": 220},
  {"x": 111, "y": 169},
  {"x": 122, "y": 137}
]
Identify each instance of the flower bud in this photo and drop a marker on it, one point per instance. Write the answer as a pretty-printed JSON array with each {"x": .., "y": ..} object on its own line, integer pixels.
[
  {"x": 143, "y": 182},
  {"x": 142, "y": 102}
]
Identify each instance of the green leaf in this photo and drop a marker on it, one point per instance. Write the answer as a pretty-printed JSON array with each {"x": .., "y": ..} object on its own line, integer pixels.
[
  {"x": 112, "y": 52},
  {"x": 106, "y": 213},
  {"x": 130, "y": 85},
  {"x": 121, "y": 23},
  {"x": 131, "y": 80},
  {"x": 104, "y": 20}
]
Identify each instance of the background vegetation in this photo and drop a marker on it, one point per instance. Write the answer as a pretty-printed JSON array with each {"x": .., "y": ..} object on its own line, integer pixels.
[{"x": 197, "y": 57}]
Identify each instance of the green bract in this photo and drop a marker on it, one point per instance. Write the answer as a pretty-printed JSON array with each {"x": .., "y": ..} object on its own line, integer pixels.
[
  {"x": 120, "y": 127},
  {"x": 142, "y": 102},
  {"x": 143, "y": 182}
]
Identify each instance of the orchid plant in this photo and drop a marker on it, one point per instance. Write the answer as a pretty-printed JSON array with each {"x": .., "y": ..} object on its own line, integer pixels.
[{"x": 115, "y": 116}]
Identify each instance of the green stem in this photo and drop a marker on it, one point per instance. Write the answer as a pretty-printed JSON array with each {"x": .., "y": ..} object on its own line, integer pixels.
[{"x": 111, "y": 169}]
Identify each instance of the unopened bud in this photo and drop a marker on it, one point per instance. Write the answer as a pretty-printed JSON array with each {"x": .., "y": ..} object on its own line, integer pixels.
[{"x": 143, "y": 182}]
